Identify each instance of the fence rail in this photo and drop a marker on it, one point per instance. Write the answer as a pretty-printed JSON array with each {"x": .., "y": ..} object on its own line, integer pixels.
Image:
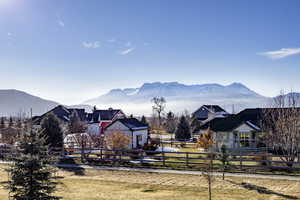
[
  {"x": 184, "y": 159},
  {"x": 192, "y": 160}
]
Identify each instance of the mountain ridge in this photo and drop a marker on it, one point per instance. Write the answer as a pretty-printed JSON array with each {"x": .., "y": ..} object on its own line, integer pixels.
[
  {"x": 167, "y": 89},
  {"x": 137, "y": 100},
  {"x": 180, "y": 96},
  {"x": 16, "y": 102}
]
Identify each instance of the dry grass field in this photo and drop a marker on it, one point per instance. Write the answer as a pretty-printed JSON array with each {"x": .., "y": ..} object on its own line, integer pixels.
[{"x": 113, "y": 185}]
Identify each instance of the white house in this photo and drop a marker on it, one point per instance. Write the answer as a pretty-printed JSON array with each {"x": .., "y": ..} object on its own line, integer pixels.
[{"x": 136, "y": 130}]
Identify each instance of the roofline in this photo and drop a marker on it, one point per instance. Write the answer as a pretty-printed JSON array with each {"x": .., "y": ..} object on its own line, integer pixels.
[
  {"x": 41, "y": 116},
  {"x": 205, "y": 106},
  {"x": 120, "y": 111},
  {"x": 111, "y": 124},
  {"x": 132, "y": 129},
  {"x": 99, "y": 116},
  {"x": 242, "y": 122}
]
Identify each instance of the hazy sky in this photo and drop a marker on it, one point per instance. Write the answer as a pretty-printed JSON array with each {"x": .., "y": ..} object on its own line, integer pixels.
[{"x": 72, "y": 50}]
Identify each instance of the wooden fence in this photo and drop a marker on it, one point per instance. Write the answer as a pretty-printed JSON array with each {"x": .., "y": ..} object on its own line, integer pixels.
[
  {"x": 192, "y": 160},
  {"x": 241, "y": 161}
]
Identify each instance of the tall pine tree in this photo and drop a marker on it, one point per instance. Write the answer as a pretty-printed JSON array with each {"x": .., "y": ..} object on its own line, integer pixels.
[
  {"x": 76, "y": 125},
  {"x": 11, "y": 122},
  {"x": 19, "y": 123},
  {"x": 52, "y": 131},
  {"x": 31, "y": 176},
  {"x": 144, "y": 120},
  {"x": 2, "y": 123},
  {"x": 183, "y": 131}
]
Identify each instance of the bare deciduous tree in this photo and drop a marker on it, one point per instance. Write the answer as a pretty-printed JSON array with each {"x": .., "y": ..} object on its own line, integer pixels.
[
  {"x": 208, "y": 171},
  {"x": 282, "y": 126},
  {"x": 159, "y": 106},
  {"x": 117, "y": 140}
]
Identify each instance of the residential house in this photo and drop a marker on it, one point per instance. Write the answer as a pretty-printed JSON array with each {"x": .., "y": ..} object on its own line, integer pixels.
[
  {"x": 208, "y": 112},
  {"x": 135, "y": 129},
  {"x": 240, "y": 131},
  {"x": 63, "y": 114},
  {"x": 99, "y": 119}
]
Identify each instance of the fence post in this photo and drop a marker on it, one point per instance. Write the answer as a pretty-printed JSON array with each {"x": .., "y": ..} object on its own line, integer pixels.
[
  {"x": 82, "y": 151},
  {"x": 142, "y": 158},
  {"x": 241, "y": 161},
  {"x": 101, "y": 154},
  {"x": 163, "y": 155},
  {"x": 187, "y": 159}
]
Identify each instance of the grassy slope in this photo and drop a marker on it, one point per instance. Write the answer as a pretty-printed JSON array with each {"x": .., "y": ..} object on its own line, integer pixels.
[{"x": 96, "y": 184}]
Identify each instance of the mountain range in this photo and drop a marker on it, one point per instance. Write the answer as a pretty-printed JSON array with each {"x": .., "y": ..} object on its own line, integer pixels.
[{"x": 179, "y": 97}]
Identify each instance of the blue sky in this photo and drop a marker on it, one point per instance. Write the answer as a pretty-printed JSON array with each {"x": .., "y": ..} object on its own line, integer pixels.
[{"x": 70, "y": 51}]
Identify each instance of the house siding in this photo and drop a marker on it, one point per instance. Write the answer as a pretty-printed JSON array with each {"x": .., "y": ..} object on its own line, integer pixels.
[
  {"x": 228, "y": 138},
  {"x": 118, "y": 126}
]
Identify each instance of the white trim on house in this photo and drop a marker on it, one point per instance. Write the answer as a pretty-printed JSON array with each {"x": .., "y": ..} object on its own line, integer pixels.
[{"x": 253, "y": 126}]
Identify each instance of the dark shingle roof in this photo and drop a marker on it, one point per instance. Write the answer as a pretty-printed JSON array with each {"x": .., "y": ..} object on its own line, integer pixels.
[
  {"x": 89, "y": 117},
  {"x": 59, "y": 111},
  {"x": 62, "y": 113},
  {"x": 131, "y": 123},
  {"x": 104, "y": 114},
  {"x": 222, "y": 124},
  {"x": 252, "y": 117},
  {"x": 81, "y": 113}
]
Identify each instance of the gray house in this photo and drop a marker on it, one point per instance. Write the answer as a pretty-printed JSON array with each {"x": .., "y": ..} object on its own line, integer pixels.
[{"x": 208, "y": 112}]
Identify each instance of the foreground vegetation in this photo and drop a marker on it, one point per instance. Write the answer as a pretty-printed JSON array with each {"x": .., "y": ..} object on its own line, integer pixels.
[{"x": 100, "y": 184}]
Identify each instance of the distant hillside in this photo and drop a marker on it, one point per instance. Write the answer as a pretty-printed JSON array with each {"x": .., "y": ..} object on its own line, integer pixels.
[
  {"x": 14, "y": 102},
  {"x": 180, "y": 97}
]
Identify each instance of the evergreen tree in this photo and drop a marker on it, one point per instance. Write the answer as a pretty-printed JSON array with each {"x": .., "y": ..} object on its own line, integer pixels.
[
  {"x": 170, "y": 122},
  {"x": 94, "y": 108},
  {"x": 31, "y": 176},
  {"x": 52, "y": 131},
  {"x": 11, "y": 122},
  {"x": 19, "y": 123},
  {"x": 2, "y": 123},
  {"x": 144, "y": 120},
  {"x": 183, "y": 131},
  {"x": 75, "y": 125}
]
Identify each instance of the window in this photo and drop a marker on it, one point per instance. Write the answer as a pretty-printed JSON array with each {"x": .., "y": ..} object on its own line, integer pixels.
[
  {"x": 139, "y": 139},
  {"x": 244, "y": 139}
]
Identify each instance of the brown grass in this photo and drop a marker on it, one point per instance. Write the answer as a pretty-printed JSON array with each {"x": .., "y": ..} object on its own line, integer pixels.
[{"x": 101, "y": 184}]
